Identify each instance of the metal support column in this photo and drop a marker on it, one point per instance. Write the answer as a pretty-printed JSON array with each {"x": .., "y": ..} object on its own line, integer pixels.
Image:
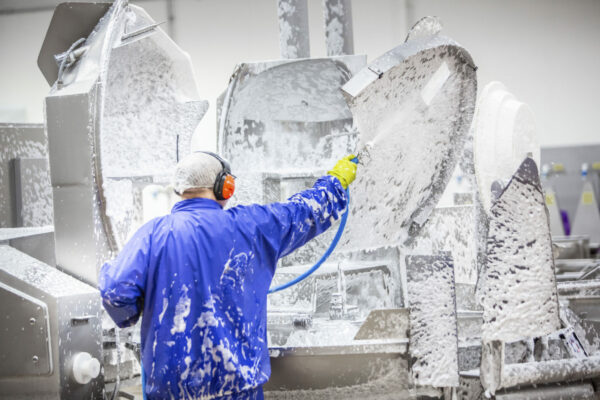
[
  {"x": 293, "y": 28},
  {"x": 338, "y": 27}
]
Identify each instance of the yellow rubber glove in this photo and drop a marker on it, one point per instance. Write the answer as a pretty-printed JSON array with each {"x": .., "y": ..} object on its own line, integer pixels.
[{"x": 345, "y": 170}]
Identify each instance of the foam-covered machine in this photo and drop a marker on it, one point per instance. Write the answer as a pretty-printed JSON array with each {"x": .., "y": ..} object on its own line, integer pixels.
[
  {"x": 121, "y": 111},
  {"x": 344, "y": 331},
  {"x": 422, "y": 297}
]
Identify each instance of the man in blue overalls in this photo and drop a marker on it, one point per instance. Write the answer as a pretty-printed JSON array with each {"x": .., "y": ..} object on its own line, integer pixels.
[{"x": 200, "y": 277}]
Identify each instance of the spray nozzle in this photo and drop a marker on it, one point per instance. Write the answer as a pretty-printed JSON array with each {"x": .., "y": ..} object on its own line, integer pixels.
[{"x": 363, "y": 156}]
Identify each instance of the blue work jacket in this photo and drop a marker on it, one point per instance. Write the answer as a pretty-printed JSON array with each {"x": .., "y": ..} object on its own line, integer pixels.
[{"x": 200, "y": 277}]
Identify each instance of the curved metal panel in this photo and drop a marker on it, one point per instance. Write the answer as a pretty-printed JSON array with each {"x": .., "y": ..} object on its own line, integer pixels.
[
  {"x": 413, "y": 107},
  {"x": 271, "y": 108}
]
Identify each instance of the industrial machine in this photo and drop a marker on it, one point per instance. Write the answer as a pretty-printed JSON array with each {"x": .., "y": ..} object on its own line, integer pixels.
[
  {"x": 438, "y": 289},
  {"x": 112, "y": 72}
]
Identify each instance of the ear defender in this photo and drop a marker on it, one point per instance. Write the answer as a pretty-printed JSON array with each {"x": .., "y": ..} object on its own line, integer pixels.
[
  {"x": 225, "y": 183},
  {"x": 228, "y": 187}
]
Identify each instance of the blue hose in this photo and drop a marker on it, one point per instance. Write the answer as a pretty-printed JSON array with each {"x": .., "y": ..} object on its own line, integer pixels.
[{"x": 324, "y": 257}]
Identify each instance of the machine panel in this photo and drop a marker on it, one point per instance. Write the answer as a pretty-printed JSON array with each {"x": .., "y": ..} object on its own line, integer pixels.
[{"x": 24, "y": 341}]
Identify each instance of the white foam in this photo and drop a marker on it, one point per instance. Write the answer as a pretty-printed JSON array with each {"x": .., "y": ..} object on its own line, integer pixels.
[
  {"x": 182, "y": 310},
  {"x": 412, "y": 147},
  {"x": 433, "y": 330},
  {"x": 518, "y": 286}
]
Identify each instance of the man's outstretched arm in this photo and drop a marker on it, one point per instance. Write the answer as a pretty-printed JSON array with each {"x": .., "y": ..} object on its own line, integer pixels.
[
  {"x": 122, "y": 281},
  {"x": 290, "y": 224}
]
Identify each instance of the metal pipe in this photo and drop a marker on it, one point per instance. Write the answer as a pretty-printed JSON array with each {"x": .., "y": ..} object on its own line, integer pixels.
[
  {"x": 67, "y": 60},
  {"x": 141, "y": 31},
  {"x": 293, "y": 28},
  {"x": 549, "y": 371},
  {"x": 339, "y": 36},
  {"x": 579, "y": 391},
  {"x": 576, "y": 289}
]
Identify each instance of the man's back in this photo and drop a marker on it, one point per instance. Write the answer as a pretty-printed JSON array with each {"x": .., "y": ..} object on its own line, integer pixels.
[{"x": 203, "y": 274}]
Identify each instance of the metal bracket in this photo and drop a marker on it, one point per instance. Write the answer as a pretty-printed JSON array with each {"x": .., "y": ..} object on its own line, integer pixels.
[
  {"x": 376, "y": 71},
  {"x": 141, "y": 31}
]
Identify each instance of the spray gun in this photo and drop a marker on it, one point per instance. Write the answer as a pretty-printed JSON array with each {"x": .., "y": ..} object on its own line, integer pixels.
[{"x": 363, "y": 156}]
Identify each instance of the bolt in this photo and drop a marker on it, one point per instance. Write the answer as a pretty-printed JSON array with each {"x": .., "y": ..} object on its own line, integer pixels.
[
  {"x": 35, "y": 359},
  {"x": 31, "y": 321}
]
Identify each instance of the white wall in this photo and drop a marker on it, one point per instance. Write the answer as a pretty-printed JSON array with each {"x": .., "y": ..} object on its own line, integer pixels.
[
  {"x": 22, "y": 86},
  {"x": 547, "y": 52}
]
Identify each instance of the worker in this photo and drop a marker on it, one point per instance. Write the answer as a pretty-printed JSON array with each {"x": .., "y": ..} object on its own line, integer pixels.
[{"x": 200, "y": 276}]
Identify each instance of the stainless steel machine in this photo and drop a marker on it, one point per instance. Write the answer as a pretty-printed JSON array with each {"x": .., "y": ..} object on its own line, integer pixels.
[
  {"x": 114, "y": 76},
  {"x": 311, "y": 106},
  {"x": 51, "y": 338},
  {"x": 50, "y": 341},
  {"x": 414, "y": 303}
]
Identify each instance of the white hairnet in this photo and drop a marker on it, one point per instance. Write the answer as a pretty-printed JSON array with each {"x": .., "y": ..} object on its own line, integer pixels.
[{"x": 196, "y": 170}]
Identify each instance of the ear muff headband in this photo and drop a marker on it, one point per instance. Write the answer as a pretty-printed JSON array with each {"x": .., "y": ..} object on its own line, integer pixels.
[{"x": 225, "y": 182}]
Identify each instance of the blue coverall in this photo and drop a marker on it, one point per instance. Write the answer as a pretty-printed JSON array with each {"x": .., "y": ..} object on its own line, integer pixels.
[{"x": 200, "y": 276}]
